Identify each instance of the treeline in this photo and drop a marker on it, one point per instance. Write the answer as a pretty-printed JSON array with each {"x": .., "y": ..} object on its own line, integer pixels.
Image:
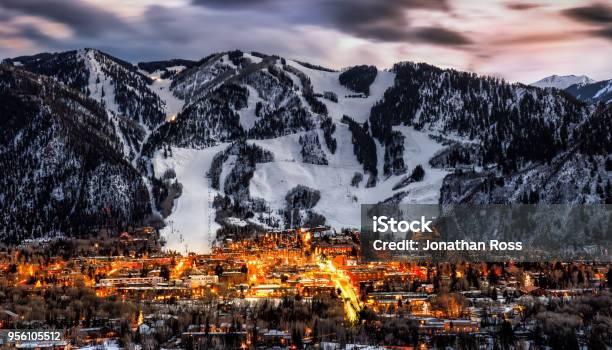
[
  {"x": 418, "y": 173},
  {"x": 281, "y": 111},
  {"x": 394, "y": 154},
  {"x": 153, "y": 66},
  {"x": 204, "y": 123},
  {"x": 236, "y": 200},
  {"x": 358, "y": 78},
  {"x": 298, "y": 208},
  {"x": 131, "y": 91},
  {"x": 311, "y": 149},
  {"x": 364, "y": 148},
  {"x": 317, "y": 106},
  {"x": 65, "y": 66},
  {"x": 595, "y": 135},
  {"x": 329, "y": 127},
  {"x": 316, "y": 67}
]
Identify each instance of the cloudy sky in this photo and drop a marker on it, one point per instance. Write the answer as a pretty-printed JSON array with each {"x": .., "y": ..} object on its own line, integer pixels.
[{"x": 522, "y": 40}]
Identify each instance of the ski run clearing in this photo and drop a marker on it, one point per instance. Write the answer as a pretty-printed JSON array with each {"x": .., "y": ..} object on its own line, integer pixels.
[
  {"x": 161, "y": 87},
  {"x": 191, "y": 226},
  {"x": 340, "y": 202},
  {"x": 357, "y": 108}
]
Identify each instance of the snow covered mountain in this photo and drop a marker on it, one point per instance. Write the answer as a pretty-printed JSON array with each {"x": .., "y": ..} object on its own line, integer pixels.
[
  {"x": 593, "y": 93},
  {"x": 125, "y": 93},
  {"x": 562, "y": 81},
  {"x": 238, "y": 141}
]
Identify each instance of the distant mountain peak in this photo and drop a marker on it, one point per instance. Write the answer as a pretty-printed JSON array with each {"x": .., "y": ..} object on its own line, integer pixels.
[{"x": 563, "y": 81}]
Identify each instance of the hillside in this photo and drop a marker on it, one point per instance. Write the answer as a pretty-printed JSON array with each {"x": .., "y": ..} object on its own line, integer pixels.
[
  {"x": 62, "y": 169},
  {"x": 239, "y": 141}
]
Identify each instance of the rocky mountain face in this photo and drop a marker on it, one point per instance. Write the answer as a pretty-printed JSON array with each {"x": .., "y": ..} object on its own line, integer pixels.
[{"x": 244, "y": 140}]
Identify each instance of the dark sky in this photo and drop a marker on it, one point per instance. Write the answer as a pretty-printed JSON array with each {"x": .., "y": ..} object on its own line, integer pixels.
[{"x": 518, "y": 40}]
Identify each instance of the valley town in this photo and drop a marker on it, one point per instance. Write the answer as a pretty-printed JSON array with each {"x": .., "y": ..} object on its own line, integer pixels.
[{"x": 292, "y": 289}]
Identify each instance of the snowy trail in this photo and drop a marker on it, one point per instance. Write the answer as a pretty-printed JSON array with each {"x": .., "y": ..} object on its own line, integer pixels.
[{"x": 190, "y": 227}]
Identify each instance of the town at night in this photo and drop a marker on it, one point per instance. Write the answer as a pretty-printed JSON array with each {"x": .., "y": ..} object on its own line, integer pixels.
[{"x": 289, "y": 289}]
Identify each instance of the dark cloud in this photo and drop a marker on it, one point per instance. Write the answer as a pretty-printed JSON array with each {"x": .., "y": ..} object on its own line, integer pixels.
[
  {"x": 441, "y": 36},
  {"x": 537, "y": 38},
  {"x": 379, "y": 20},
  {"x": 29, "y": 32},
  {"x": 317, "y": 5},
  {"x": 524, "y": 6},
  {"x": 592, "y": 14},
  {"x": 605, "y": 33},
  {"x": 6, "y": 15},
  {"x": 167, "y": 26},
  {"x": 598, "y": 15},
  {"x": 388, "y": 21},
  {"x": 235, "y": 4},
  {"x": 382, "y": 20},
  {"x": 83, "y": 18}
]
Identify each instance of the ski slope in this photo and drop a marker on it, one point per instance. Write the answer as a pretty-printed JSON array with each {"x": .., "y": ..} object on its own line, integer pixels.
[
  {"x": 340, "y": 202},
  {"x": 161, "y": 87},
  {"x": 356, "y": 108},
  {"x": 191, "y": 226}
]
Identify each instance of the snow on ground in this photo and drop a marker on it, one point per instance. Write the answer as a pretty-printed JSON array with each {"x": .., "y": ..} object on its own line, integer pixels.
[
  {"x": 253, "y": 59},
  {"x": 162, "y": 88},
  {"x": 247, "y": 115},
  {"x": 101, "y": 88},
  {"x": 334, "y": 346},
  {"x": 191, "y": 226},
  {"x": 356, "y": 108},
  {"x": 603, "y": 90},
  {"x": 227, "y": 167},
  {"x": 340, "y": 202},
  {"x": 419, "y": 148},
  {"x": 344, "y": 156}
]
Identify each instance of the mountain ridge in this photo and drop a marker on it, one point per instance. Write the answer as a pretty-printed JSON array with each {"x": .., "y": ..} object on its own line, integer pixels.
[
  {"x": 597, "y": 92},
  {"x": 364, "y": 133},
  {"x": 563, "y": 81}
]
